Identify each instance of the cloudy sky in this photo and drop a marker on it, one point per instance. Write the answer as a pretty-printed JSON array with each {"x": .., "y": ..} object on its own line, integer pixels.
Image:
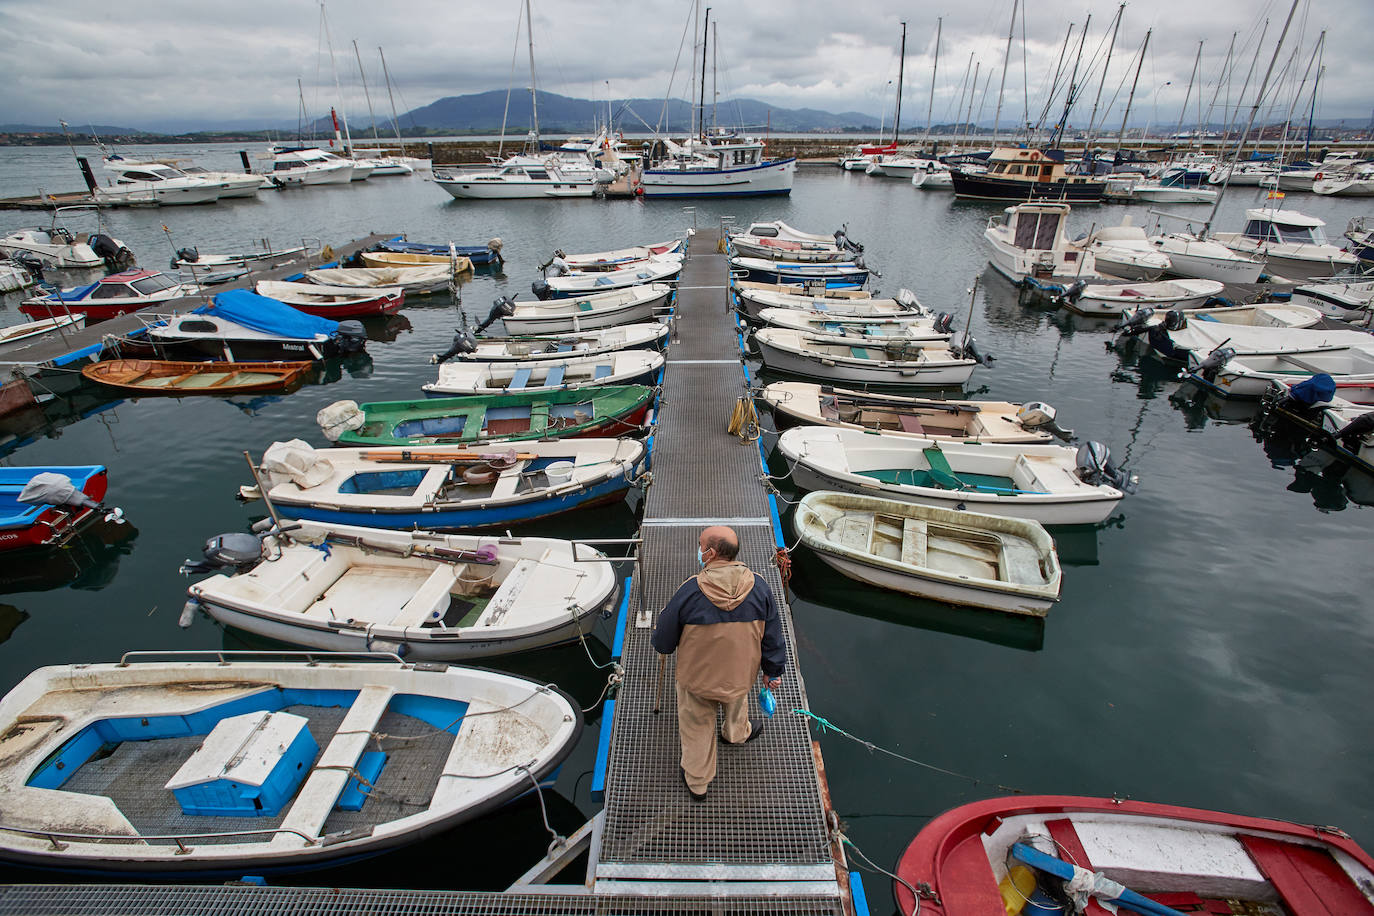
[{"x": 160, "y": 64}]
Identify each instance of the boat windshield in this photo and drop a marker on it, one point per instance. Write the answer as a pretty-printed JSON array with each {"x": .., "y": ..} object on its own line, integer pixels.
[{"x": 154, "y": 284}]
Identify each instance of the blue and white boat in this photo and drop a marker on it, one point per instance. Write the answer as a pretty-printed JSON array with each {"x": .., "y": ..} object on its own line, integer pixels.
[
  {"x": 716, "y": 166},
  {"x": 447, "y": 487},
  {"x": 762, "y": 270},
  {"x": 222, "y": 764},
  {"x": 479, "y": 255}
]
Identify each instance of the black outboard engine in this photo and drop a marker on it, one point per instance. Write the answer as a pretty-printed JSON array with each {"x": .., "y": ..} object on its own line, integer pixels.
[
  {"x": 1212, "y": 363},
  {"x": 1134, "y": 321},
  {"x": 501, "y": 308},
  {"x": 1351, "y": 434},
  {"x": 1094, "y": 466},
  {"x": 1307, "y": 394},
  {"x": 541, "y": 289},
  {"x": 116, "y": 256},
  {"x": 190, "y": 255},
  {"x": 1073, "y": 291},
  {"x": 969, "y": 350},
  {"x": 1175, "y": 320},
  {"x": 235, "y": 551},
  {"x": 843, "y": 241},
  {"x": 351, "y": 336},
  {"x": 463, "y": 342},
  {"x": 31, "y": 264},
  {"x": 943, "y": 323}
]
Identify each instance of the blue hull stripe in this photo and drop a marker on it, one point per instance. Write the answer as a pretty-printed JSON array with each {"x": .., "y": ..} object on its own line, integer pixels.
[{"x": 461, "y": 518}]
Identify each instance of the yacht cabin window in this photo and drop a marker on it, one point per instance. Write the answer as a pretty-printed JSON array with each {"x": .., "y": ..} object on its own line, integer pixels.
[
  {"x": 154, "y": 284},
  {"x": 111, "y": 291},
  {"x": 537, "y": 174}
]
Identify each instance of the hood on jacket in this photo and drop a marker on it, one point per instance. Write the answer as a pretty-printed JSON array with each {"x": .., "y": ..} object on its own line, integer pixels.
[{"x": 726, "y": 584}]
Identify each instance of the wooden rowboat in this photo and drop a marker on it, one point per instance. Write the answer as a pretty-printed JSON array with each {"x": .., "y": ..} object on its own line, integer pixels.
[
  {"x": 157, "y": 376},
  {"x": 967, "y": 558}
]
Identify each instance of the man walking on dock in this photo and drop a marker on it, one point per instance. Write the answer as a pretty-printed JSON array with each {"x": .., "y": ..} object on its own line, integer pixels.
[{"x": 723, "y": 623}]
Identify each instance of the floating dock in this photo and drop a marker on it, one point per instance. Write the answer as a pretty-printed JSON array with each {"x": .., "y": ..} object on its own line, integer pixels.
[{"x": 761, "y": 841}]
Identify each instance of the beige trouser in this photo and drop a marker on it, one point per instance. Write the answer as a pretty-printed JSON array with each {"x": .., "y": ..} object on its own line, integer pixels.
[{"x": 696, "y": 726}]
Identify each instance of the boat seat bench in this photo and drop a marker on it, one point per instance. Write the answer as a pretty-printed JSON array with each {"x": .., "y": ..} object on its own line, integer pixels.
[
  {"x": 430, "y": 599},
  {"x": 1309, "y": 880}
]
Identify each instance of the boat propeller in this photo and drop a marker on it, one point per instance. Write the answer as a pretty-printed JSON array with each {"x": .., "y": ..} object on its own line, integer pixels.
[
  {"x": 501, "y": 308},
  {"x": 463, "y": 342},
  {"x": 1094, "y": 465}
]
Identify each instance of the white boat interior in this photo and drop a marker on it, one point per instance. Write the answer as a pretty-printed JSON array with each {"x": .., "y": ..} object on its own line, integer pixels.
[{"x": 617, "y": 368}]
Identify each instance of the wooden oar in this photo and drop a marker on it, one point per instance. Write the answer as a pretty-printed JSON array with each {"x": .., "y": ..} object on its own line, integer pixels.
[{"x": 408, "y": 455}]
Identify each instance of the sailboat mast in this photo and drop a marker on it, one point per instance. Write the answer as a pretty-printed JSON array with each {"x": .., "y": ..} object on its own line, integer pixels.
[
  {"x": 1225, "y": 76},
  {"x": 1254, "y": 110},
  {"x": 348, "y": 140},
  {"x": 963, "y": 136},
  {"x": 367, "y": 95},
  {"x": 705, "y": 33},
  {"x": 1069, "y": 94},
  {"x": 901, "y": 71},
  {"x": 1312, "y": 112},
  {"x": 930, "y": 107},
  {"x": 395, "y": 122},
  {"x": 715, "y": 90},
  {"x": 534, "y": 95},
  {"x": 1092, "y": 120},
  {"x": 1189, "y": 94},
  {"x": 1002, "y": 86},
  {"x": 1121, "y": 137}
]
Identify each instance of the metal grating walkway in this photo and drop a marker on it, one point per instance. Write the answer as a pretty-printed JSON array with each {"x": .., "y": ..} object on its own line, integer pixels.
[
  {"x": 143, "y": 900},
  {"x": 763, "y": 819}
]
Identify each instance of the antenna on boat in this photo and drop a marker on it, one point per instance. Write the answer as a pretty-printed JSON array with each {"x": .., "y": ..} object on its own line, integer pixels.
[{"x": 1254, "y": 110}]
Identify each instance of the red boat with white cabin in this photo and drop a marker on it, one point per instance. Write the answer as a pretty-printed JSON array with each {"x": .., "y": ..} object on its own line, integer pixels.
[
  {"x": 1013, "y": 855},
  {"x": 109, "y": 297}
]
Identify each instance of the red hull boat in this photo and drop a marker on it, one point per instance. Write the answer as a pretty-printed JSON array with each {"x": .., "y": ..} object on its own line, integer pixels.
[
  {"x": 1010, "y": 855},
  {"x": 23, "y": 526}
]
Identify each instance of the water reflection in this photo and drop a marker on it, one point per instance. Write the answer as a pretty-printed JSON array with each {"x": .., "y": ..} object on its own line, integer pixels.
[
  {"x": 88, "y": 561},
  {"x": 10, "y": 619},
  {"x": 1332, "y": 482},
  {"x": 815, "y": 582},
  {"x": 48, "y": 418},
  {"x": 1199, "y": 405}
]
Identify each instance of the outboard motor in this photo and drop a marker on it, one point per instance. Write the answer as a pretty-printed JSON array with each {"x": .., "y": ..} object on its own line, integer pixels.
[
  {"x": 541, "y": 289},
  {"x": 189, "y": 255},
  {"x": 31, "y": 264},
  {"x": 1211, "y": 365},
  {"x": 943, "y": 323},
  {"x": 463, "y": 342},
  {"x": 116, "y": 256},
  {"x": 494, "y": 245},
  {"x": 501, "y": 308},
  {"x": 53, "y": 489},
  {"x": 1319, "y": 389},
  {"x": 1134, "y": 321},
  {"x": 1175, "y": 320},
  {"x": 1094, "y": 466},
  {"x": 1351, "y": 434},
  {"x": 1038, "y": 414},
  {"x": 235, "y": 551},
  {"x": 969, "y": 350},
  {"x": 1073, "y": 291},
  {"x": 351, "y": 336},
  {"x": 842, "y": 240}
]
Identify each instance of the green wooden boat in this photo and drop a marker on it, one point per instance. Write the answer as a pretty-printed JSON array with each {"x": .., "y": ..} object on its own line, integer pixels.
[{"x": 603, "y": 412}]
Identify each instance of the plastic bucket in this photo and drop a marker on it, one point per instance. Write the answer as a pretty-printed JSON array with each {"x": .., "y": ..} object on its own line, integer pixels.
[{"x": 559, "y": 472}]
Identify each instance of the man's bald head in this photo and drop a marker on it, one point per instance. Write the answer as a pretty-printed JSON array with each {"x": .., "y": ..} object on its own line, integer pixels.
[{"x": 720, "y": 538}]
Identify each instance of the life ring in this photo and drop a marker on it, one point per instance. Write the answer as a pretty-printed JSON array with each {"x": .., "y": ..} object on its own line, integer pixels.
[{"x": 1318, "y": 177}]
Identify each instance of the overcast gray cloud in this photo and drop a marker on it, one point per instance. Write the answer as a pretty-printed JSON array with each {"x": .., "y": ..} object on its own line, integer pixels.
[{"x": 150, "y": 62}]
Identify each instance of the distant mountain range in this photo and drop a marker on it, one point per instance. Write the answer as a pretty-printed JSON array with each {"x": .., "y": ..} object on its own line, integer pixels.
[{"x": 483, "y": 111}]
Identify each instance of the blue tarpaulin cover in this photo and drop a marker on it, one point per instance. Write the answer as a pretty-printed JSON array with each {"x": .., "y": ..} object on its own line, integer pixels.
[
  {"x": 1318, "y": 389},
  {"x": 76, "y": 294},
  {"x": 267, "y": 315}
]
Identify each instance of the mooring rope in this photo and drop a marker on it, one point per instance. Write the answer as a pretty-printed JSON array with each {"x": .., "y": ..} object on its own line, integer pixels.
[{"x": 827, "y": 726}]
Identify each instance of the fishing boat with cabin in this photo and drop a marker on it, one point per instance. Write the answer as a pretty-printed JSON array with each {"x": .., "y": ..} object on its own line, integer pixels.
[
  {"x": 221, "y": 764},
  {"x": 1050, "y": 484},
  {"x": 422, "y": 595},
  {"x": 959, "y": 557},
  {"x": 1027, "y": 174}
]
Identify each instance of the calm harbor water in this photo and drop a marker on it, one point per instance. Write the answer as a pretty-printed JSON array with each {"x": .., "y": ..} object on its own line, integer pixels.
[{"x": 1211, "y": 647}]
